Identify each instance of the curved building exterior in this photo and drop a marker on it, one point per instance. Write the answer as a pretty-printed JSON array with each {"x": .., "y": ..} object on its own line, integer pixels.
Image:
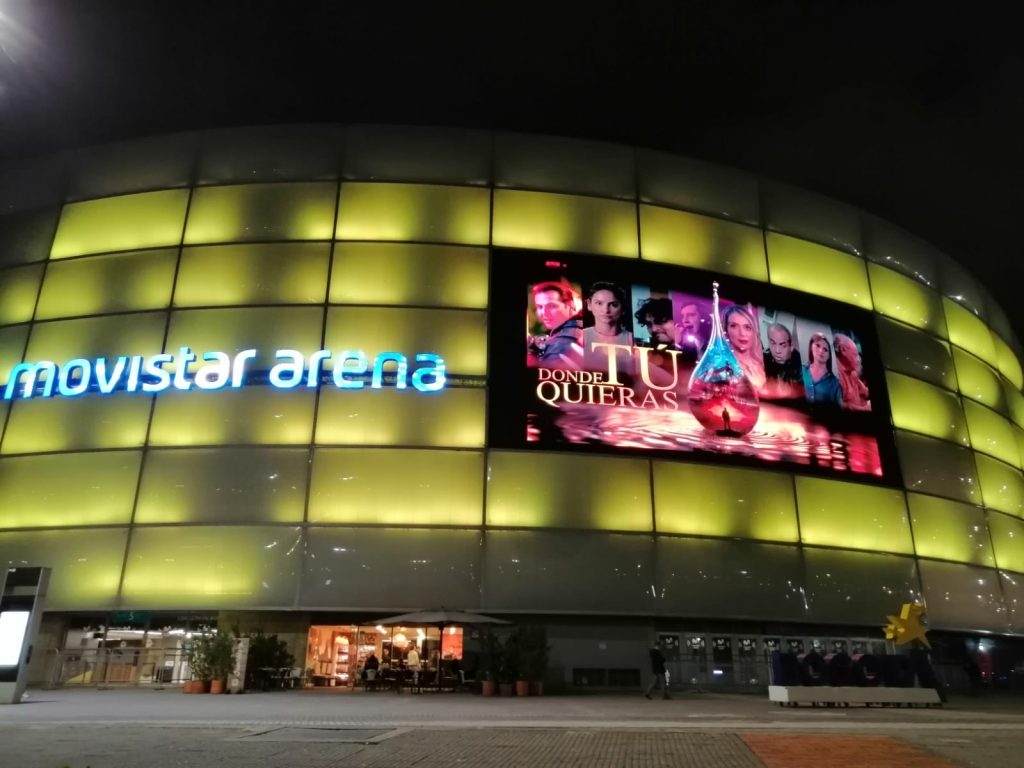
[{"x": 284, "y": 500}]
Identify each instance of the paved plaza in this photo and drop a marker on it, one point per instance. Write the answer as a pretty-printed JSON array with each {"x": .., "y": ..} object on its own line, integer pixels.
[{"x": 324, "y": 728}]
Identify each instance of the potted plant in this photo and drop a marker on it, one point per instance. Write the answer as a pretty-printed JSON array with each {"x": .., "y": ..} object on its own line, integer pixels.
[
  {"x": 535, "y": 657},
  {"x": 197, "y": 653},
  {"x": 509, "y": 671},
  {"x": 518, "y": 651},
  {"x": 491, "y": 662},
  {"x": 221, "y": 657}
]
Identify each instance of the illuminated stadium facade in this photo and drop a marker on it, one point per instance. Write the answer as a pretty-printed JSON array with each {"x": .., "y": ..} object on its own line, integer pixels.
[{"x": 301, "y": 376}]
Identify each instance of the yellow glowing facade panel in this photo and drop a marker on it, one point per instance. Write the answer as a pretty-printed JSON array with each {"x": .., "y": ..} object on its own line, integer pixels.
[
  {"x": 991, "y": 433},
  {"x": 691, "y": 240},
  {"x": 1014, "y": 399},
  {"x": 550, "y": 490},
  {"x": 1007, "y": 541},
  {"x": 224, "y": 485},
  {"x": 12, "y": 347},
  {"x": 816, "y": 269},
  {"x": 397, "y": 487},
  {"x": 409, "y": 274},
  {"x": 212, "y": 567},
  {"x": 86, "y": 563},
  {"x": 421, "y": 212},
  {"x": 68, "y": 489},
  {"x": 924, "y": 408},
  {"x": 1008, "y": 363},
  {"x": 459, "y": 336},
  {"x": 19, "y": 288},
  {"x": 92, "y": 337},
  {"x": 906, "y": 300},
  {"x": 969, "y": 332},
  {"x": 853, "y": 516},
  {"x": 247, "y": 212},
  {"x": 259, "y": 273},
  {"x": 259, "y": 415},
  {"x": 265, "y": 329},
  {"x": 451, "y": 418},
  {"x": 714, "y": 501},
  {"x": 949, "y": 530},
  {"x": 1002, "y": 486},
  {"x": 978, "y": 381},
  {"x": 128, "y": 222},
  {"x": 122, "y": 282},
  {"x": 77, "y": 424},
  {"x": 550, "y": 221}
]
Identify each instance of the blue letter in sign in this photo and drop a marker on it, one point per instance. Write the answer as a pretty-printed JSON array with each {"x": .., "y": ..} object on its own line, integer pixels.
[{"x": 429, "y": 379}]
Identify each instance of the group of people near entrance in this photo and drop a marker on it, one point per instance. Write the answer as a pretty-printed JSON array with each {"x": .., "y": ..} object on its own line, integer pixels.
[{"x": 586, "y": 330}]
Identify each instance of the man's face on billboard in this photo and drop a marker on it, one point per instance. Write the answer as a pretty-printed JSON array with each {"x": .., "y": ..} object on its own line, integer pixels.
[
  {"x": 780, "y": 345},
  {"x": 552, "y": 311}
]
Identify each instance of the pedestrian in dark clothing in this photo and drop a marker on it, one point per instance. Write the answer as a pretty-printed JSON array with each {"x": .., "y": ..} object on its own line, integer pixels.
[{"x": 659, "y": 675}]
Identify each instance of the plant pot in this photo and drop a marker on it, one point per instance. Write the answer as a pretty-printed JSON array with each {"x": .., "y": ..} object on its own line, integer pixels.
[
  {"x": 203, "y": 686},
  {"x": 189, "y": 686},
  {"x": 487, "y": 688},
  {"x": 505, "y": 689},
  {"x": 522, "y": 687},
  {"x": 218, "y": 686},
  {"x": 536, "y": 687}
]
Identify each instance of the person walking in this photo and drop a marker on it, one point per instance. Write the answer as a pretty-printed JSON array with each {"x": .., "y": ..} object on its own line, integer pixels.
[{"x": 659, "y": 675}]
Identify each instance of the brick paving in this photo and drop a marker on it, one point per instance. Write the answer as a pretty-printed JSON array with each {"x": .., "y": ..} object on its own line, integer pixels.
[{"x": 792, "y": 750}]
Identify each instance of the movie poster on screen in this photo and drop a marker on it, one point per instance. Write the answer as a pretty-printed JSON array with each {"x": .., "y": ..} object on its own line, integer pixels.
[{"x": 619, "y": 355}]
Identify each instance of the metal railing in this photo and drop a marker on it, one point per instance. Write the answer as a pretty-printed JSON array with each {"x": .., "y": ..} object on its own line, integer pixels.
[{"x": 103, "y": 667}]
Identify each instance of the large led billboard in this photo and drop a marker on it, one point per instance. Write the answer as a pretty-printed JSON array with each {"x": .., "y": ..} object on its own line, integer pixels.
[{"x": 590, "y": 353}]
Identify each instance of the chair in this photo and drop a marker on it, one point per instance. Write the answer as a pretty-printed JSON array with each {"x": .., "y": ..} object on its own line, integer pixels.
[{"x": 371, "y": 679}]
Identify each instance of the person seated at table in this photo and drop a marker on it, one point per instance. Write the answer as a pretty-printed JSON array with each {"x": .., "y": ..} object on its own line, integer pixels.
[
  {"x": 457, "y": 671},
  {"x": 372, "y": 663}
]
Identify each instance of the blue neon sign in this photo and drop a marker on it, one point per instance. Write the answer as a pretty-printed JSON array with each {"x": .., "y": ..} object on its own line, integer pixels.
[{"x": 350, "y": 369}]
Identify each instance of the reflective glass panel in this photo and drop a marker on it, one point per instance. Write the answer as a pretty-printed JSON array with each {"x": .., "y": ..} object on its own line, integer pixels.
[
  {"x": 124, "y": 223},
  {"x": 212, "y": 567},
  {"x": 33, "y": 183},
  {"x": 19, "y": 287},
  {"x": 77, "y": 424},
  {"x": 569, "y": 572},
  {"x": 1013, "y": 596},
  {"x": 224, "y": 485},
  {"x": 1007, "y": 541},
  {"x": 963, "y": 597},
  {"x": 958, "y": 284},
  {"x": 69, "y": 489},
  {"x": 1009, "y": 364},
  {"x": 935, "y": 466},
  {"x": 425, "y": 275},
  {"x": 253, "y": 414},
  {"x": 714, "y": 501},
  {"x": 968, "y": 332},
  {"x": 816, "y": 269},
  {"x": 414, "y": 153},
  {"x": 459, "y": 336},
  {"x": 123, "y": 282},
  {"x": 86, "y": 564},
  {"x": 12, "y": 345},
  {"x": 234, "y": 330},
  {"x": 268, "y": 273},
  {"x": 261, "y": 212},
  {"x": 906, "y": 300},
  {"x": 26, "y": 237},
  {"x": 1014, "y": 402},
  {"x": 92, "y": 337},
  {"x": 918, "y": 354},
  {"x": 949, "y": 530},
  {"x": 978, "y": 381},
  {"x": 451, "y": 418},
  {"x": 561, "y": 491},
  {"x": 683, "y": 182},
  {"x": 157, "y": 162},
  {"x": 924, "y": 408},
  {"x": 991, "y": 433},
  {"x": 563, "y": 222},
  {"x": 271, "y": 153},
  {"x": 853, "y": 516},
  {"x": 857, "y": 587},
  {"x": 358, "y": 485},
  {"x": 405, "y": 566},
  {"x": 708, "y": 578},
  {"x": 563, "y": 165},
  {"x": 897, "y": 249},
  {"x": 1002, "y": 485},
  {"x": 434, "y": 214},
  {"x": 806, "y": 214},
  {"x": 691, "y": 240}
]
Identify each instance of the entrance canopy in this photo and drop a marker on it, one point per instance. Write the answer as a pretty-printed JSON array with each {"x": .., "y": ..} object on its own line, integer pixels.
[{"x": 442, "y": 617}]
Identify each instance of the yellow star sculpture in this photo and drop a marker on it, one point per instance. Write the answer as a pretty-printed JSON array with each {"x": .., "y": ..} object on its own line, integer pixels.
[{"x": 907, "y": 627}]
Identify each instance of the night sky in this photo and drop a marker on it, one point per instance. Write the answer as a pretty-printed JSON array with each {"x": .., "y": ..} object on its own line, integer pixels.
[{"x": 910, "y": 110}]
